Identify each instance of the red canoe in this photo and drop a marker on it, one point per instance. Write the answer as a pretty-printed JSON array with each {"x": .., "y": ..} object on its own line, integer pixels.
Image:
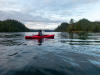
[{"x": 39, "y": 37}]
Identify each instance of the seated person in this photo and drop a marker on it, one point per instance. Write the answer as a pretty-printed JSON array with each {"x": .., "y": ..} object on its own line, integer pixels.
[{"x": 40, "y": 33}]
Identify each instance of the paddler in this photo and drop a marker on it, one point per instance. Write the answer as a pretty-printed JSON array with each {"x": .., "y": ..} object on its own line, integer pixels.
[{"x": 40, "y": 33}]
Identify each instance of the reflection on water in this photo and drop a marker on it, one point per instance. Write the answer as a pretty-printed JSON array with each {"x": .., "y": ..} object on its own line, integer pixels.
[
  {"x": 82, "y": 38},
  {"x": 83, "y": 35},
  {"x": 9, "y": 39},
  {"x": 40, "y": 41},
  {"x": 67, "y": 54},
  {"x": 80, "y": 35}
]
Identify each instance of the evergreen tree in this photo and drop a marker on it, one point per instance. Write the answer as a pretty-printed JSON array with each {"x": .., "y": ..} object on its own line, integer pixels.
[
  {"x": 81, "y": 25},
  {"x": 12, "y": 26}
]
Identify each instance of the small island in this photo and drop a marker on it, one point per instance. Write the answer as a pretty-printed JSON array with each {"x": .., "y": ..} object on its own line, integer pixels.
[
  {"x": 12, "y": 26},
  {"x": 82, "y": 25}
]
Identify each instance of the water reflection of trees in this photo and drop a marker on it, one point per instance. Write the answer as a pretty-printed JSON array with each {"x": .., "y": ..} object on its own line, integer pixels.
[
  {"x": 80, "y": 35},
  {"x": 10, "y": 39},
  {"x": 74, "y": 38},
  {"x": 83, "y": 35}
]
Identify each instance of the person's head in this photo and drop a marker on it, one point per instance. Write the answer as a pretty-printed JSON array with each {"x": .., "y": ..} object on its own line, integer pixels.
[{"x": 40, "y": 30}]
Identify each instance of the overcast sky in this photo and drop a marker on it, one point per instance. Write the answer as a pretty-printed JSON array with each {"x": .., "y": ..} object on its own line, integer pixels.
[{"x": 48, "y": 14}]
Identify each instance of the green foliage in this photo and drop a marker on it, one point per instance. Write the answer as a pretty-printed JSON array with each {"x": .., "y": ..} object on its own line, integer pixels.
[
  {"x": 71, "y": 21},
  {"x": 81, "y": 25},
  {"x": 62, "y": 27},
  {"x": 12, "y": 26}
]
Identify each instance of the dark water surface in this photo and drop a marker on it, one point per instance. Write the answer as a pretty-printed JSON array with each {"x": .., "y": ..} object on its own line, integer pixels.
[{"x": 67, "y": 54}]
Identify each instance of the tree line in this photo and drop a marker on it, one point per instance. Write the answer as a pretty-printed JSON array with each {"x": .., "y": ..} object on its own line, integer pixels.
[
  {"x": 81, "y": 25},
  {"x": 12, "y": 26}
]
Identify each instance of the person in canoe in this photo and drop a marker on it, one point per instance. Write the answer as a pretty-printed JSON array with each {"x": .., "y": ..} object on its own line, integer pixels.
[{"x": 40, "y": 33}]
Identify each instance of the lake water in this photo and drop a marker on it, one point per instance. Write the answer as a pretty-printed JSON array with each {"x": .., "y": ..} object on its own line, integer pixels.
[{"x": 66, "y": 54}]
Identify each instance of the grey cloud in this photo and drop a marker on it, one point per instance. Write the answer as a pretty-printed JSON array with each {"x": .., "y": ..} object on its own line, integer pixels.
[
  {"x": 23, "y": 17},
  {"x": 47, "y": 11},
  {"x": 43, "y": 10}
]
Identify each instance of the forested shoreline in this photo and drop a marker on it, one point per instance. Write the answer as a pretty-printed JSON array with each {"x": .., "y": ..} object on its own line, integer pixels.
[
  {"x": 10, "y": 25},
  {"x": 80, "y": 26}
]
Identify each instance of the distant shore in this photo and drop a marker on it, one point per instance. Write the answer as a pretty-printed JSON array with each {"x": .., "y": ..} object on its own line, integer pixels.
[
  {"x": 82, "y": 25},
  {"x": 12, "y": 26}
]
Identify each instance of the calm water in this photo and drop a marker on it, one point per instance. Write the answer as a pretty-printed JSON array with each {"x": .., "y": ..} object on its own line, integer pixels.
[{"x": 67, "y": 54}]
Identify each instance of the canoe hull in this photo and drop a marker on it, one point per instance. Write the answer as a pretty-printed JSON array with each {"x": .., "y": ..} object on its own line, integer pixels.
[{"x": 39, "y": 37}]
